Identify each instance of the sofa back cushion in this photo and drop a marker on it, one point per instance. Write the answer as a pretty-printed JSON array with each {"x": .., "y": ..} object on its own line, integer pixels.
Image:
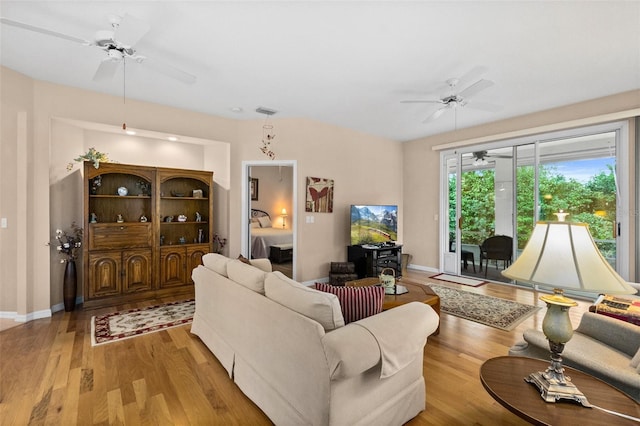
[
  {"x": 356, "y": 302},
  {"x": 246, "y": 275},
  {"x": 321, "y": 307},
  {"x": 216, "y": 262}
]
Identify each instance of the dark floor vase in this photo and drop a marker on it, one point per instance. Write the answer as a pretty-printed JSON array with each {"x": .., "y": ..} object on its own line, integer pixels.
[{"x": 69, "y": 287}]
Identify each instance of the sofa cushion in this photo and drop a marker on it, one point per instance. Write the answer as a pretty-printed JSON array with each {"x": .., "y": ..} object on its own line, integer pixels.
[
  {"x": 356, "y": 303},
  {"x": 216, "y": 262},
  {"x": 319, "y": 306},
  {"x": 246, "y": 275}
]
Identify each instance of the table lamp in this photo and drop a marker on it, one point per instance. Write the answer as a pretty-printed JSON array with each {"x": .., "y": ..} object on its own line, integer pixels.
[
  {"x": 563, "y": 256},
  {"x": 284, "y": 217}
]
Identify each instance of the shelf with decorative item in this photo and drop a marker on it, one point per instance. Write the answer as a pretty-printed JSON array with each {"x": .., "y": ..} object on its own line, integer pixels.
[
  {"x": 121, "y": 197},
  {"x": 184, "y": 198},
  {"x": 204, "y": 222}
]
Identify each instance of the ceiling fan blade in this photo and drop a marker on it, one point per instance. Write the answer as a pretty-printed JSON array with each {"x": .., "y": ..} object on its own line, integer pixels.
[
  {"x": 475, "y": 88},
  {"x": 106, "y": 70},
  {"x": 472, "y": 75},
  {"x": 435, "y": 115},
  {"x": 42, "y": 30},
  {"x": 421, "y": 101},
  {"x": 130, "y": 30},
  {"x": 170, "y": 71}
]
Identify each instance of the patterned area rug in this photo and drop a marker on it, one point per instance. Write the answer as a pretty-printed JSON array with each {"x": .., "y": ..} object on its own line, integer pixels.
[
  {"x": 492, "y": 311},
  {"x": 458, "y": 280},
  {"x": 135, "y": 322}
]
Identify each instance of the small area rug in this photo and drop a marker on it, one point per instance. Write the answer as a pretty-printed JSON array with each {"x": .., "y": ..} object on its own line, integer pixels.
[
  {"x": 492, "y": 311},
  {"x": 458, "y": 280},
  {"x": 135, "y": 322}
]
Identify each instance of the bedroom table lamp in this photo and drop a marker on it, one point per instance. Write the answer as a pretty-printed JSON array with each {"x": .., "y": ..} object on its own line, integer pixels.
[
  {"x": 563, "y": 256},
  {"x": 284, "y": 217}
]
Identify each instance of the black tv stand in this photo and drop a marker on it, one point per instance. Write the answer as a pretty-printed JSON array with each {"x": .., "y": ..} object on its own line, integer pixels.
[{"x": 371, "y": 259}]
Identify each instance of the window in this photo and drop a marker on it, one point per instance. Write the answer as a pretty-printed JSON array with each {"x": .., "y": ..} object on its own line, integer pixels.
[{"x": 504, "y": 188}]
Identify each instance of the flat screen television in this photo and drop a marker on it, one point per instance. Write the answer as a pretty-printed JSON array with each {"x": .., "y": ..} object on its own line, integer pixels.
[{"x": 373, "y": 224}]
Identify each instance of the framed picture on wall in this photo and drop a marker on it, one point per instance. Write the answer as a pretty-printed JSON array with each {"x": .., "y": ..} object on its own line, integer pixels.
[
  {"x": 254, "y": 189},
  {"x": 319, "y": 195}
]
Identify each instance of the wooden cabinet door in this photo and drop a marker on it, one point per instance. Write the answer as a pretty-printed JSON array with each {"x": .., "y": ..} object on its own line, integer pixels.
[
  {"x": 104, "y": 274},
  {"x": 136, "y": 267},
  {"x": 172, "y": 266},
  {"x": 194, "y": 258}
]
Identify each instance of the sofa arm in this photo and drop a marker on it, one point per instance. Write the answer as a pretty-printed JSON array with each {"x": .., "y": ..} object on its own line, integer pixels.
[
  {"x": 615, "y": 333},
  {"x": 398, "y": 334}
]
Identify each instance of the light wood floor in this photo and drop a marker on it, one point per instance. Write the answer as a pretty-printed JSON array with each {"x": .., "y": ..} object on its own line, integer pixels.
[{"x": 50, "y": 374}]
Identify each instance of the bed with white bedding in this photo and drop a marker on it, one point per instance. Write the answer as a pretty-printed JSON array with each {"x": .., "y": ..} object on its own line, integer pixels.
[{"x": 263, "y": 235}]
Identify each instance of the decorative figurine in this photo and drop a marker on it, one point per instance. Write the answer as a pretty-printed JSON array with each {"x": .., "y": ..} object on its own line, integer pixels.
[
  {"x": 182, "y": 218},
  {"x": 161, "y": 240},
  {"x": 120, "y": 219},
  {"x": 96, "y": 182},
  {"x": 122, "y": 191},
  {"x": 198, "y": 217},
  {"x": 143, "y": 218},
  {"x": 182, "y": 240},
  {"x": 168, "y": 218},
  {"x": 93, "y": 218},
  {"x": 144, "y": 187}
]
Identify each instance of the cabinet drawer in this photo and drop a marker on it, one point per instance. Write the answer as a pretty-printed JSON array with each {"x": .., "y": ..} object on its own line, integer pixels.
[{"x": 119, "y": 235}]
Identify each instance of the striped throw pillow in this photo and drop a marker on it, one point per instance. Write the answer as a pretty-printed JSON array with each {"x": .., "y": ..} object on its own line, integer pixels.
[{"x": 356, "y": 303}]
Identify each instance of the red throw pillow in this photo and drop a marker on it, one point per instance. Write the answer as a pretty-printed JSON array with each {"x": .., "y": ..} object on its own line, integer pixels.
[{"x": 356, "y": 302}]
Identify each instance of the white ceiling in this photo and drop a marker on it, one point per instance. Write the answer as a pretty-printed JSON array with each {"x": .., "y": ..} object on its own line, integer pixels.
[{"x": 345, "y": 63}]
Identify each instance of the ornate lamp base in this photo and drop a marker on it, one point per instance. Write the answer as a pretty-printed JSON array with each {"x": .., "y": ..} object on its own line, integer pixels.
[
  {"x": 552, "y": 390},
  {"x": 552, "y": 383}
]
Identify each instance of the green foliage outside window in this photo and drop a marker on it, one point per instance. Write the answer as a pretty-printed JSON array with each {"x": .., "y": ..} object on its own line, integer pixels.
[{"x": 592, "y": 202}]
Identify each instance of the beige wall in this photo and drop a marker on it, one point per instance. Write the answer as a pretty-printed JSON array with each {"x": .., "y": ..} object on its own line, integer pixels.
[
  {"x": 421, "y": 168},
  {"x": 366, "y": 169},
  {"x": 16, "y": 106}
]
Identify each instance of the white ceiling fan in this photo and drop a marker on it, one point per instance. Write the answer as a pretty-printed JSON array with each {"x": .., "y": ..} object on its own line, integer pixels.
[
  {"x": 118, "y": 43},
  {"x": 461, "y": 98}
]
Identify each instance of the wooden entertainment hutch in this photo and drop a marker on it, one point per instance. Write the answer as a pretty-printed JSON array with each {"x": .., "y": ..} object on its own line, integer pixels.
[{"x": 146, "y": 228}]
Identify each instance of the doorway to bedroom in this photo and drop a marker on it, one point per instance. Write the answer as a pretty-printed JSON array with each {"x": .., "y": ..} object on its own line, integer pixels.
[{"x": 269, "y": 213}]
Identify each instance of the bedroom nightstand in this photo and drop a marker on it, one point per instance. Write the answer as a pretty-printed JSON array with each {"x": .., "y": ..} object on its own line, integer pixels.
[{"x": 281, "y": 253}]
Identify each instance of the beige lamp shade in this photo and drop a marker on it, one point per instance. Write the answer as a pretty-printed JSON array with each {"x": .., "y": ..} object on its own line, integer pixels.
[{"x": 563, "y": 255}]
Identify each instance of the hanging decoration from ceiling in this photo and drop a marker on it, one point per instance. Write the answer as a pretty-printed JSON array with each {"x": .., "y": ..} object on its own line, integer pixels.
[{"x": 268, "y": 134}]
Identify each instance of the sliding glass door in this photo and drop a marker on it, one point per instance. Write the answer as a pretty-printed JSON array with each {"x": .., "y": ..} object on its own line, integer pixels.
[{"x": 504, "y": 190}]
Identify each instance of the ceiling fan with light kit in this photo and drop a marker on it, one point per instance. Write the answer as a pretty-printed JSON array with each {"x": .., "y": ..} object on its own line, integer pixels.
[
  {"x": 458, "y": 98},
  {"x": 118, "y": 43}
]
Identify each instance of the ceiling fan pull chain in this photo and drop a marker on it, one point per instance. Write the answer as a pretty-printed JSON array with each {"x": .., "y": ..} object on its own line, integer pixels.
[{"x": 124, "y": 93}]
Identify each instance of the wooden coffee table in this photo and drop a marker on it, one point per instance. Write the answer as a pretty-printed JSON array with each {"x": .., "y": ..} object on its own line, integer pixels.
[
  {"x": 503, "y": 378},
  {"x": 417, "y": 293}
]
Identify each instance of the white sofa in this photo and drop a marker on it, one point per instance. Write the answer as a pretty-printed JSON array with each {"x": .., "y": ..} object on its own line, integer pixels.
[{"x": 286, "y": 347}]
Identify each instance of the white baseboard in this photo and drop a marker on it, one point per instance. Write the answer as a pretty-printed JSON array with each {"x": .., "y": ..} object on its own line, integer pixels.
[
  {"x": 422, "y": 268},
  {"x": 45, "y": 313},
  {"x": 312, "y": 282}
]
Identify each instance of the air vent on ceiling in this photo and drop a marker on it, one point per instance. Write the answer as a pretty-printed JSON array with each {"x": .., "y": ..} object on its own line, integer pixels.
[{"x": 266, "y": 111}]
